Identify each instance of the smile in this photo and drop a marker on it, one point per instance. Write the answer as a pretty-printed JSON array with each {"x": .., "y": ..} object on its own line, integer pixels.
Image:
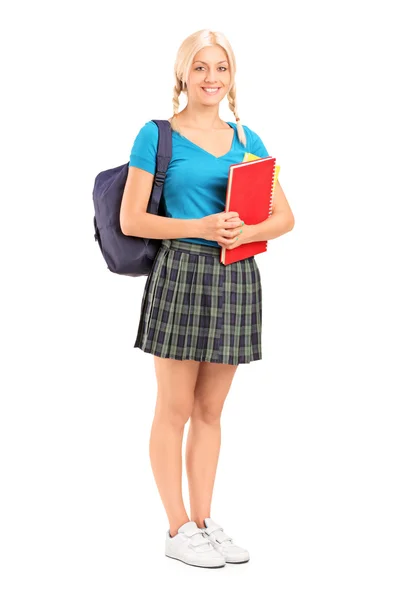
[{"x": 211, "y": 91}]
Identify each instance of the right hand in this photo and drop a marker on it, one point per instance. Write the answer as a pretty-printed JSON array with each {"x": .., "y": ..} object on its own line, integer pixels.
[{"x": 217, "y": 228}]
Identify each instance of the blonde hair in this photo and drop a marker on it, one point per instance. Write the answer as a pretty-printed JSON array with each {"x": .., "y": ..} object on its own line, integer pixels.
[{"x": 186, "y": 53}]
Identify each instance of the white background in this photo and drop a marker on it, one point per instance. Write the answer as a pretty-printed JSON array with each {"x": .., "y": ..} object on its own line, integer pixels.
[{"x": 308, "y": 476}]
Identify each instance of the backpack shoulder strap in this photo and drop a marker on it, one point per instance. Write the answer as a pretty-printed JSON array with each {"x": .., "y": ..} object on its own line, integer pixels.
[{"x": 164, "y": 154}]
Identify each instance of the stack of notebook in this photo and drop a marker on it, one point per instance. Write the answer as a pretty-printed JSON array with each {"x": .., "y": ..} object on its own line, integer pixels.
[{"x": 249, "y": 192}]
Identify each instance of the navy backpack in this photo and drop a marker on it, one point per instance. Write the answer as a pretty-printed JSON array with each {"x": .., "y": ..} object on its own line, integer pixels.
[{"x": 125, "y": 254}]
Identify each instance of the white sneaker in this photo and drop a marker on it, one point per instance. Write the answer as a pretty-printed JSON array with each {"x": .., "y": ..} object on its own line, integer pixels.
[
  {"x": 224, "y": 544},
  {"x": 191, "y": 546}
]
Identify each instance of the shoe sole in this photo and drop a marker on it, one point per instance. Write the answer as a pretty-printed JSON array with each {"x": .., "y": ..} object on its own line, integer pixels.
[
  {"x": 193, "y": 565},
  {"x": 236, "y": 562},
  {"x": 230, "y": 562}
]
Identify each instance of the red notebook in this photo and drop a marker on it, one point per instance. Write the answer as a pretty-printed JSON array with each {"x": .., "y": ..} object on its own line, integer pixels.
[{"x": 249, "y": 192}]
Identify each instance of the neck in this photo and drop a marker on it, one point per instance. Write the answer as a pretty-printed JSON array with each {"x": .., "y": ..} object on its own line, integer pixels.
[{"x": 201, "y": 117}]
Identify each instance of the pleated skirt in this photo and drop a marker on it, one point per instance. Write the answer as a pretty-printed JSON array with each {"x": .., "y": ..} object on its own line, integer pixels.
[{"x": 196, "y": 308}]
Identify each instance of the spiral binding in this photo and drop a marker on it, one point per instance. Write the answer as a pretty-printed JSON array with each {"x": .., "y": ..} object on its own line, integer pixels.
[
  {"x": 270, "y": 200},
  {"x": 272, "y": 189}
]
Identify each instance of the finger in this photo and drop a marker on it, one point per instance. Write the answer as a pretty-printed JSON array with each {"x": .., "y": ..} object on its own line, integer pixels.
[
  {"x": 234, "y": 231},
  {"x": 227, "y": 234},
  {"x": 235, "y": 222},
  {"x": 232, "y": 224},
  {"x": 228, "y": 239}
]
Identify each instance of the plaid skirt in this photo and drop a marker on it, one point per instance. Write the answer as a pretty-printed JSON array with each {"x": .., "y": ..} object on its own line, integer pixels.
[{"x": 196, "y": 308}]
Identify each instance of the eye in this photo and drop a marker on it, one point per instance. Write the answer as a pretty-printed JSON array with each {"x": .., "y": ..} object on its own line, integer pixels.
[{"x": 225, "y": 68}]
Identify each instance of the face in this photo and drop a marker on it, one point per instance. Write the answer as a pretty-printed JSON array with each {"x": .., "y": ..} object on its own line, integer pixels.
[{"x": 210, "y": 69}]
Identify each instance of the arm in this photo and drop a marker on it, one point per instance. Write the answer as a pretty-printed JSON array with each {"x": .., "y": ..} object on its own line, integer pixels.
[
  {"x": 281, "y": 219},
  {"x": 136, "y": 221},
  {"x": 161, "y": 228},
  {"x": 278, "y": 223}
]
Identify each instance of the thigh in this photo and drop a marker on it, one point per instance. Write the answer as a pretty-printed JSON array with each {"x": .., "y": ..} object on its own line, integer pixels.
[
  {"x": 213, "y": 384},
  {"x": 176, "y": 381}
]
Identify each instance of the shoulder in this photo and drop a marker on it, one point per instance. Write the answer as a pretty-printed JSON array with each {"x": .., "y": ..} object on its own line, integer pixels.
[
  {"x": 250, "y": 133},
  {"x": 245, "y": 127},
  {"x": 144, "y": 148},
  {"x": 146, "y": 138},
  {"x": 149, "y": 130},
  {"x": 254, "y": 143}
]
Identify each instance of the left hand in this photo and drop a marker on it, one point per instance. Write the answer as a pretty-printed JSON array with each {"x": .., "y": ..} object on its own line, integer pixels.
[{"x": 232, "y": 234}]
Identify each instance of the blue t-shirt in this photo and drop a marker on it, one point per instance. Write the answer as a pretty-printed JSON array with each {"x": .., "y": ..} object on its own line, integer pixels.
[{"x": 196, "y": 181}]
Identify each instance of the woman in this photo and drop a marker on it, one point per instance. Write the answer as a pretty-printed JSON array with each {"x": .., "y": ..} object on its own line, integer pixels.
[{"x": 199, "y": 318}]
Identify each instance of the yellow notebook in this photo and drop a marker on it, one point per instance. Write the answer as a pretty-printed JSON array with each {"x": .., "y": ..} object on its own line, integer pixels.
[{"x": 248, "y": 156}]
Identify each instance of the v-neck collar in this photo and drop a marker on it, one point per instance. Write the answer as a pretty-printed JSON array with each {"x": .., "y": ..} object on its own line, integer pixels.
[{"x": 206, "y": 151}]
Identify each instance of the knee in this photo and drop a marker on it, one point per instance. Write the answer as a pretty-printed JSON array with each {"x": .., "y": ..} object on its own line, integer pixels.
[
  {"x": 206, "y": 413},
  {"x": 173, "y": 414}
]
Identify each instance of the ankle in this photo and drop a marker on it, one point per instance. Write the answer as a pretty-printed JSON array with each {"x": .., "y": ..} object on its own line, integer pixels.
[
  {"x": 199, "y": 522},
  {"x": 173, "y": 528}
]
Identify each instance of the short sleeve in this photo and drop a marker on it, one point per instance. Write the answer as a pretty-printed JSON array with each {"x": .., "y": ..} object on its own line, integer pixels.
[
  {"x": 255, "y": 144},
  {"x": 144, "y": 149}
]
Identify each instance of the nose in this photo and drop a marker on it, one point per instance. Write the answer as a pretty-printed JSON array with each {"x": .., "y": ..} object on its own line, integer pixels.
[{"x": 211, "y": 77}]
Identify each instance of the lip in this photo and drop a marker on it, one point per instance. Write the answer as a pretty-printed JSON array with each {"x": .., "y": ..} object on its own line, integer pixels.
[{"x": 206, "y": 86}]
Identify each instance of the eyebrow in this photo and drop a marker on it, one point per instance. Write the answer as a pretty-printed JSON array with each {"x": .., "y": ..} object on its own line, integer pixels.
[{"x": 204, "y": 63}]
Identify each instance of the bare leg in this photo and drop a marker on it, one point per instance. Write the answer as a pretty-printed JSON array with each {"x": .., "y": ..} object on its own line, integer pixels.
[
  {"x": 175, "y": 394},
  {"x": 204, "y": 436}
]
